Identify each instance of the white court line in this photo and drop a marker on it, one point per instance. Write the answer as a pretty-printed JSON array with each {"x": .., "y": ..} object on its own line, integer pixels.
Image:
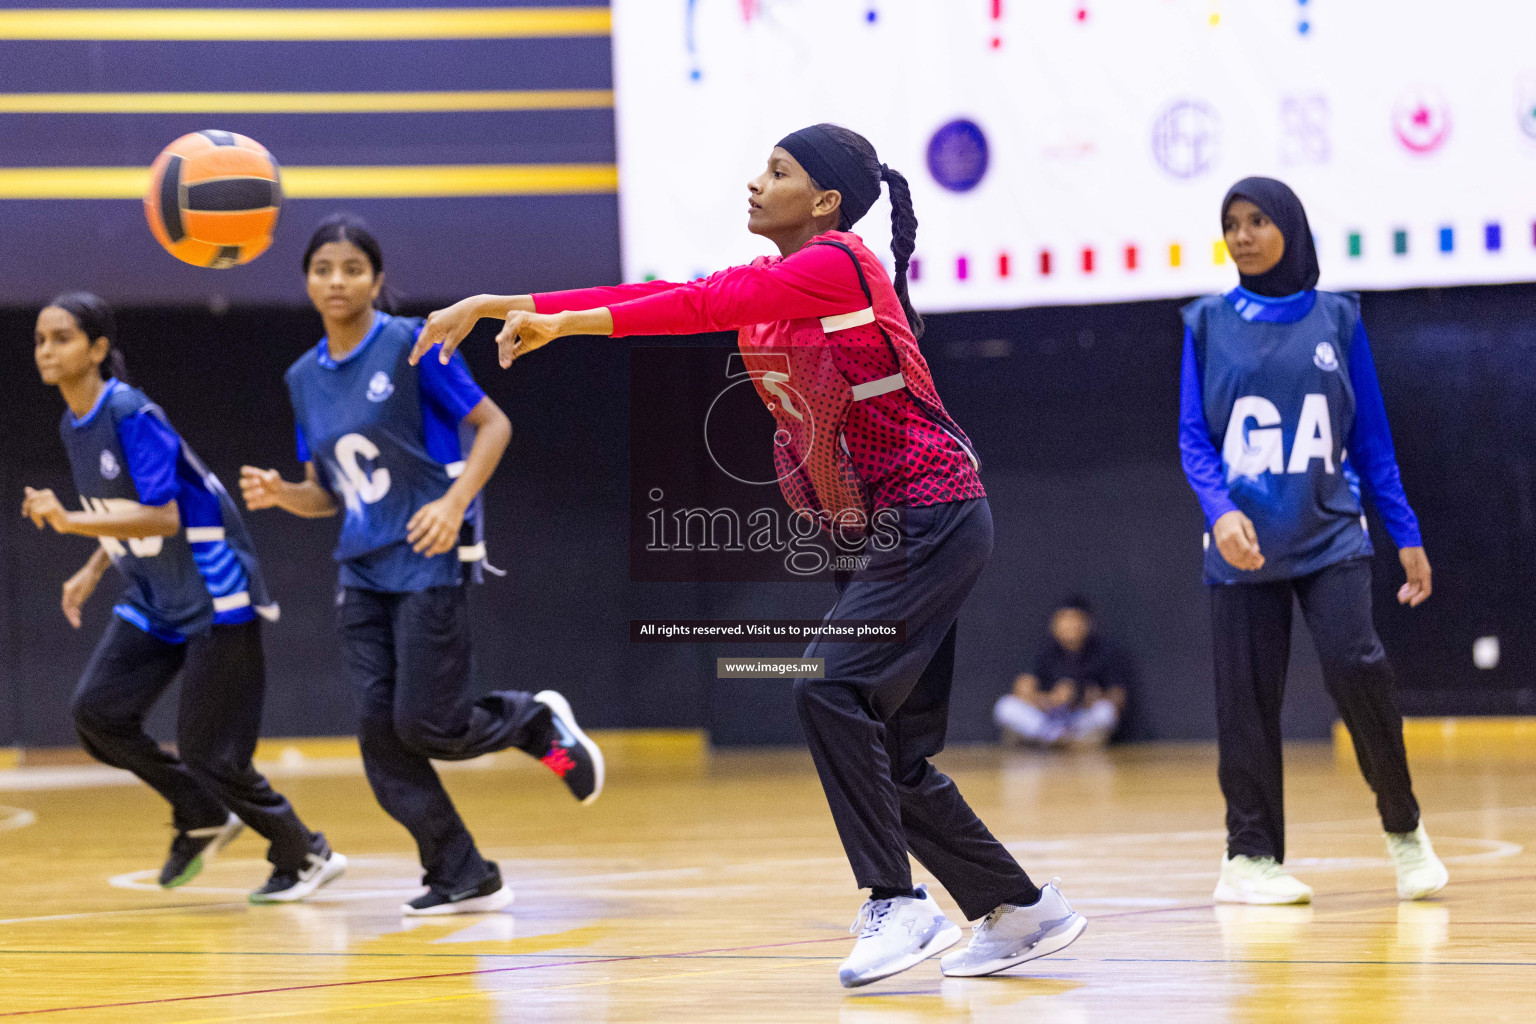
[
  {"x": 68, "y": 777},
  {"x": 1494, "y": 849},
  {"x": 12, "y": 818},
  {"x": 90, "y": 776},
  {"x": 134, "y": 880}
]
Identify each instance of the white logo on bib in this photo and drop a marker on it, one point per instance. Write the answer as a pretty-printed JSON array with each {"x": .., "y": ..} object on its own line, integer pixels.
[
  {"x": 109, "y": 466},
  {"x": 1325, "y": 358},
  {"x": 379, "y": 387}
]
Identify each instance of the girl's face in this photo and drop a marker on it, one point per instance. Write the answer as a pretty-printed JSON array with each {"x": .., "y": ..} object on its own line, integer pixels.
[
  {"x": 61, "y": 349},
  {"x": 784, "y": 200},
  {"x": 1254, "y": 241},
  {"x": 341, "y": 281}
]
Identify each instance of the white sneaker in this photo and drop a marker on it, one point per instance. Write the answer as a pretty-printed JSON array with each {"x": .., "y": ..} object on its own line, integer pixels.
[
  {"x": 1259, "y": 880},
  {"x": 894, "y": 935},
  {"x": 1011, "y": 935},
  {"x": 322, "y": 867},
  {"x": 1419, "y": 871}
]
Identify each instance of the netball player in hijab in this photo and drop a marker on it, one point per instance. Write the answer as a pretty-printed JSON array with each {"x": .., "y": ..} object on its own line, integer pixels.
[
  {"x": 1281, "y": 424},
  {"x": 823, "y": 319},
  {"x": 194, "y": 605},
  {"x": 380, "y": 443}
]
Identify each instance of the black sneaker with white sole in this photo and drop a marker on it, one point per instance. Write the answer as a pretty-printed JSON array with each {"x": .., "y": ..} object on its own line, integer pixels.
[
  {"x": 193, "y": 850},
  {"x": 322, "y": 866},
  {"x": 572, "y": 755},
  {"x": 488, "y": 897}
]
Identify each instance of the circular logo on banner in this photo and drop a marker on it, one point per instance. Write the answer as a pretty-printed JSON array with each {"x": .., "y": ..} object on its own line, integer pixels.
[
  {"x": 957, "y": 155},
  {"x": 1422, "y": 120},
  {"x": 1186, "y": 139},
  {"x": 1525, "y": 104}
]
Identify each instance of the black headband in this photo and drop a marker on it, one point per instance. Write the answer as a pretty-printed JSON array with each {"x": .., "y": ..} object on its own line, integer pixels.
[{"x": 833, "y": 166}]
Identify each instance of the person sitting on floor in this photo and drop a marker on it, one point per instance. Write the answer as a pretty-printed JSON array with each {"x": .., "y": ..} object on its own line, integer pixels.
[{"x": 1076, "y": 694}]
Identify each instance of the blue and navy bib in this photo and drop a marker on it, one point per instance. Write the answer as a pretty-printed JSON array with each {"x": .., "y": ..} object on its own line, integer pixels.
[
  {"x": 362, "y": 421},
  {"x": 1279, "y": 405},
  {"x": 180, "y": 585}
]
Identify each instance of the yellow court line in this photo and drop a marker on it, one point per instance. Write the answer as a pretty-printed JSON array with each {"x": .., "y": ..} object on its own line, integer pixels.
[
  {"x": 301, "y": 102},
  {"x": 441, "y": 180},
  {"x": 306, "y": 24}
]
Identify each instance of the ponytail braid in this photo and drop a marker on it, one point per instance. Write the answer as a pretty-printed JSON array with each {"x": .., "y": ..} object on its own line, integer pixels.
[
  {"x": 117, "y": 366},
  {"x": 903, "y": 239},
  {"x": 903, "y": 217}
]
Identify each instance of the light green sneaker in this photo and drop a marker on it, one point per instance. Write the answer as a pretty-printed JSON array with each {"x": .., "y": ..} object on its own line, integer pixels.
[
  {"x": 1419, "y": 871},
  {"x": 1259, "y": 880}
]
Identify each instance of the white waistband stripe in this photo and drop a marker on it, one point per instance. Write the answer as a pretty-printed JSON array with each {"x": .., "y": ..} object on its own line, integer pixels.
[
  {"x": 883, "y": 386},
  {"x": 204, "y": 534},
  {"x": 455, "y": 469},
  {"x": 843, "y": 321},
  {"x": 471, "y": 552},
  {"x": 230, "y": 602}
]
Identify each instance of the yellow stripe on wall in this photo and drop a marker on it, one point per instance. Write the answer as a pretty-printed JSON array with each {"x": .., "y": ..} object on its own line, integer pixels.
[
  {"x": 270, "y": 24},
  {"x": 445, "y": 180},
  {"x": 301, "y": 102}
]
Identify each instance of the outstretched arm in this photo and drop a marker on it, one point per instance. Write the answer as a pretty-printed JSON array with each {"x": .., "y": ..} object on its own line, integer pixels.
[
  {"x": 817, "y": 281},
  {"x": 448, "y": 327}
]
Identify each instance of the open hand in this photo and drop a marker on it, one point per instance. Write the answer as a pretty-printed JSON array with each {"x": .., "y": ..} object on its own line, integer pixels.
[
  {"x": 1416, "y": 564},
  {"x": 525, "y": 332},
  {"x": 260, "y": 488},
  {"x": 44, "y": 509},
  {"x": 1237, "y": 541},
  {"x": 434, "y": 529},
  {"x": 448, "y": 327}
]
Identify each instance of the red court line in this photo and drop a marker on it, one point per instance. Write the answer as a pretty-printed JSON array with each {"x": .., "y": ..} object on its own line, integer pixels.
[{"x": 418, "y": 977}]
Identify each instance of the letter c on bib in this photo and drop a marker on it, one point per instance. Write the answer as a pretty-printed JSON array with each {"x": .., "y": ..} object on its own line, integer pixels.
[{"x": 369, "y": 487}]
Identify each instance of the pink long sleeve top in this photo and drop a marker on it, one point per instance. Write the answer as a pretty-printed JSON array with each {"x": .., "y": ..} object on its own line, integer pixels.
[{"x": 899, "y": 449}]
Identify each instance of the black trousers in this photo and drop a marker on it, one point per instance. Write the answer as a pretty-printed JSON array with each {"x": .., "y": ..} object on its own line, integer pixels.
[
  {"x": 408, "y": 659},
  {"x": 883, "y": 708},
  {"x": 223, "y": 685},
  {"x": 1251, "y": 625}
]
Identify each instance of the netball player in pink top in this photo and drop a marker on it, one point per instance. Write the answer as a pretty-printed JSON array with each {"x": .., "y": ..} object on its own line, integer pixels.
[{"x": 824, "y": 322}]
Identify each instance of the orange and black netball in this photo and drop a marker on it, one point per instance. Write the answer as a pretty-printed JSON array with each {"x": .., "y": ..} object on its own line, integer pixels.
[{"x": 213, "y": 199}]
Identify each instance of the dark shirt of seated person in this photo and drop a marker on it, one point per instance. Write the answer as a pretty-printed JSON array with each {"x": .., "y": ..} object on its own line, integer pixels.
[{"x": 1077, "y": 691}]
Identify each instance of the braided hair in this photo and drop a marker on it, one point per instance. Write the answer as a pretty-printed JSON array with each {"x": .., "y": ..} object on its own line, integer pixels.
[{"x": 903, "y": 217}]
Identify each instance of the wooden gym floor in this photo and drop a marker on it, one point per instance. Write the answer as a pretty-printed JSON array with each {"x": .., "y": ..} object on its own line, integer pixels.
[{"x": 711, "y": 888}]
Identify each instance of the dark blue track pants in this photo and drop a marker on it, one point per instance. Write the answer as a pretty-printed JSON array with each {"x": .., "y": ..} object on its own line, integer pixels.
[
  {"x": 223, "y": 685},
  {"x": 882, "y": 709},
  {"x": 408, "y": 659}
]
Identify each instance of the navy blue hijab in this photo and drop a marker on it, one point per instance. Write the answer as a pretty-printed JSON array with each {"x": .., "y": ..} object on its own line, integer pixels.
[{"x": 1297, "y": 270}]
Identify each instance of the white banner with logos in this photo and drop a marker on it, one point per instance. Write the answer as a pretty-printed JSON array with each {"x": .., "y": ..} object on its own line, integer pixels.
[{"x": 1077, "y": 150}]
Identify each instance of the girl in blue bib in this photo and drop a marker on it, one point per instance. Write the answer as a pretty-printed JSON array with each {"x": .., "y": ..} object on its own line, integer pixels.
[
  {"x": 380, "y": 442},
  {"x": 1281, "y": 426},
  {"x": 194, "y": 605}
]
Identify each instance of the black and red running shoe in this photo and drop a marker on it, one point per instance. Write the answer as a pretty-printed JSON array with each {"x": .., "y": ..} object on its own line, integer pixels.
[{"x": 572, "y": 755}]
